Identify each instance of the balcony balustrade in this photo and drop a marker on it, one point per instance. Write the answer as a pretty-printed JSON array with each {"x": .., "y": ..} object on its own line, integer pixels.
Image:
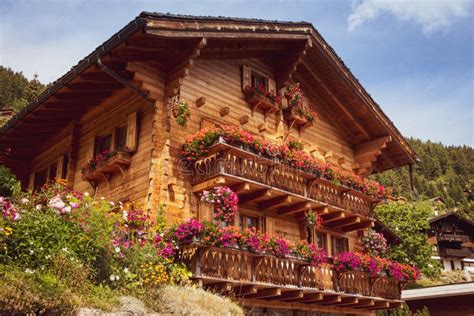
[
  {"x": 271, "y": 184},
  {"x": 255, "y": 276},
  {"x": 457, "y": 253},
  {"x": 453, "y": 237}
]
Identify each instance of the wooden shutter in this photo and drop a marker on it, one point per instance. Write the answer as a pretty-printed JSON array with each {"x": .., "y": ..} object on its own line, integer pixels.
[
  {"x": 272, "y": 85},
  {"x": 90, "y": 150},
  {"x": 206, "y": 212},
  {"x": 246, "y": 77},
  {"x": 270, "y": 225},
  {"x": 31, "y": 181},
  {"x": 132, "y": 132}
]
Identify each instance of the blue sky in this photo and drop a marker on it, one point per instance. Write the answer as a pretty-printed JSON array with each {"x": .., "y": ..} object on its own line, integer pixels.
[{"x": 416, "y": 58}]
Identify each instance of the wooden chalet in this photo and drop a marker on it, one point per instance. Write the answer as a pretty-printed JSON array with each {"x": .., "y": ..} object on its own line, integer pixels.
[
  {"x": 452, "y": 237},
  {"x": 120, "y": 98}
]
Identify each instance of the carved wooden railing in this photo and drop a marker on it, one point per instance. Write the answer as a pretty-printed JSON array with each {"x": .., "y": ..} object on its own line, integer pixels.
[
  {"x": 224, "y": 159},
  {"x": 227, "y": 264},
  {"x": 453, "y": 237}
]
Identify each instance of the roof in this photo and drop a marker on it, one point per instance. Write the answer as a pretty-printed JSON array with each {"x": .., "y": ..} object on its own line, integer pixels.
[
  {"x": 451, "y": 214},
  {"x": 439, "y": 291},
  {"x": 357, "y": 105},
  {"x": 390, "y": 235}
]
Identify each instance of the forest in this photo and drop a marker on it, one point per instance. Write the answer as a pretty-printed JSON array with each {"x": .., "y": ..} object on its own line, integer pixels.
[{"x": 443, "y": 171}]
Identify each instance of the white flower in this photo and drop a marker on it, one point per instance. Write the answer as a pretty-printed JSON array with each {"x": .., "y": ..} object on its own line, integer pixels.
[
  {"x": 56, "y": 202},
  {"x": 39, "y": 207},
  {"x": 16, "y": 216},
  {"x": 112, "y": 203},
  {"x": 86, "y": 193},
  {"x": 67, "y": 209},
  {"x": 125, "y": 215},
  {"x": 29, "y": 271},
  {"x": 48, "y": 257},
  {"x": 31, "y": 252},
  {"x": 117, "y": 249},
  {"x": 117, "y": 277},
  {"x": 125, "y": 270},
  {"x": 112, "y": 277},
  {"x": 25, "y": 201},
  {"x": 102, "y": 198},
  {"x": 65, "y": 249}
]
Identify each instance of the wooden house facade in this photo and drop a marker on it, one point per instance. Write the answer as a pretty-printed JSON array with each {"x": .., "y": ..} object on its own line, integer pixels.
[
  {"x": 452, "y": 238},
  {"x": 120, "y": 98}
]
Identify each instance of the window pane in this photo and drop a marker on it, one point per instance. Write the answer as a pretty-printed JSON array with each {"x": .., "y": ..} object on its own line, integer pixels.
[
  {"x": 259, "y": 81},
  {"x": 52, "y": 170},
  {"x": 102, "y": 144},
  {"x": 40, "y": 179},
  {"x": 65, "y": 166}
]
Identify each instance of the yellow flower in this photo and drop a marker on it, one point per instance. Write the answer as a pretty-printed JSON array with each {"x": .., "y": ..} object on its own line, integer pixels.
[{"x": 8, "y": 231}]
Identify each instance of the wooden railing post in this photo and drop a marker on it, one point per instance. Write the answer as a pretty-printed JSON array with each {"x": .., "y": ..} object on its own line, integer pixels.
[{"x": 335, "y": 280}]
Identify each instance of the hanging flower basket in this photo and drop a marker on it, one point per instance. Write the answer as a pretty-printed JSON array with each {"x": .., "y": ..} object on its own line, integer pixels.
[
  {"x": 226, "y": 202},
  {"x": 258, "y": 98}
]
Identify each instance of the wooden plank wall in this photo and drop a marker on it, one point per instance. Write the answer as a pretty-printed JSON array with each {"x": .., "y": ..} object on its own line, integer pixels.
[
  {"x": 220, "y": 83},
  {"x": 102, "y": 120}
]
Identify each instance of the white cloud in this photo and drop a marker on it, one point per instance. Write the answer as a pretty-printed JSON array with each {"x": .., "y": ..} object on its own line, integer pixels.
[{"x": 431, "y": 15}]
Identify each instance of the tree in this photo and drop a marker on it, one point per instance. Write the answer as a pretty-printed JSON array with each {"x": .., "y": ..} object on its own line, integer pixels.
[
  {"x": 410, "y": 222},
  {"x": 9, "y": 185}
]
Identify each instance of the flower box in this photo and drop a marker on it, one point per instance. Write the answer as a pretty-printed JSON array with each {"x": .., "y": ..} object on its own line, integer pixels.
[
  {"x": 264, "y": 101},
  {"x": 296, "y": 119},
  {"x": 105, "y": 168}
]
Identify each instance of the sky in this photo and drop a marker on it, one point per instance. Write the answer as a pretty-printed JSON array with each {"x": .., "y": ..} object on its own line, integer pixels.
[{"x": 415, "y": 57}]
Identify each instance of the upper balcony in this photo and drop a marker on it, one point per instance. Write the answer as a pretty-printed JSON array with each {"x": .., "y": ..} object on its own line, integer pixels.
[
  {"x": 254, "y": 276},
  {"x": 272, "y": 185}
]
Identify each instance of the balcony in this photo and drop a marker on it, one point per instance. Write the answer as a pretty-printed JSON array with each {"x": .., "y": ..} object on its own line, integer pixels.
[
  {"x": 251, "y": 276},
  {"x": 267, "y": 184},
  {"x": 453, "y": 237},
  {"x": 456, "y": 253}
]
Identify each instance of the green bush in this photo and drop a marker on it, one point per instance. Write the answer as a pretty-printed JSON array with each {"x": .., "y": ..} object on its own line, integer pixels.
[{"x": 9, "y": 185}]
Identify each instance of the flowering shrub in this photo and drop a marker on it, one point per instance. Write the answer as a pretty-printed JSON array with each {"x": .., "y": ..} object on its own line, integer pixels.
[
  {"x": 188, "y": 232},
  {"x": 9, "y": 211},
  {"x": 375, "y": 243},
  {"x": 374, "y": 265},
  {"x": 196, "y": 146},
  {"x": 260, "y": 90},
  {"x": 226, "y": 202}
]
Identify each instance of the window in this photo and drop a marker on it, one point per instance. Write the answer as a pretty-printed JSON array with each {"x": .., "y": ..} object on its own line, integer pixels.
[
  {"x": 102, "y": 143},
  {"x": 248, "y": 222},
  {"x": 120, "y": 138},
  {"x": 338, "y": 245},
  {"x": 40, "y": 179},
  {"x": 53, "y": 168},
  {"x": 259, "y": 81},
  {"x": 321, "y": 241}
]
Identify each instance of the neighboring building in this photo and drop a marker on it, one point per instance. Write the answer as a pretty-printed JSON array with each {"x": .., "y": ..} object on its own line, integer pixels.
[
  {"x": 120, "y": 99},
  {"x": 452, "y": 237},
  {"x": 443, "y": 300}
]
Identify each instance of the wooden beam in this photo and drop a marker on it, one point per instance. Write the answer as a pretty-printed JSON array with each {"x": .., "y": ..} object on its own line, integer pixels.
[
  {"x": 335, "y": 214},
  {"x": 263, "y": 293},
  {"x": 380, "y": 305},
  {"x": 220, "y": 287},
  {"x": 102, "y": 76},
  {"x": 372, "y": 145},
  {"x": 241, "y": 188},
  {"x": 284, "y": 199},
  {"x": 288, "y": 63},
  {"x": 244, "y": 290},
  {"x": 365, "y": 303},
  {"x": 81, "y": 95},
  {"x": 289, "y": 295},
  {"x": 310, "y": 297},
  {"x": 358, "y": 226},
  {"x": 255, "y": 196},
  {"x": 330, "y": 299},
  {"x": 290, "y": 209},
  {"x": 208, "y": 184},
  {"x": 337, "y": 102},
  {"x": 351, "y": 220},
  {"x": 348, "y": 300},
  {"x": 94, "y": 87},
  {"x": 396, "y": 304}
]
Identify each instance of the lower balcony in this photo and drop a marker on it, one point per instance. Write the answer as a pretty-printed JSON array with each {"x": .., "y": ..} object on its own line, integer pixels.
[
  {"x": 264, "y": 280},
  {"x": 453, "y": 237},
  {"x": 456, "y": 253}
]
